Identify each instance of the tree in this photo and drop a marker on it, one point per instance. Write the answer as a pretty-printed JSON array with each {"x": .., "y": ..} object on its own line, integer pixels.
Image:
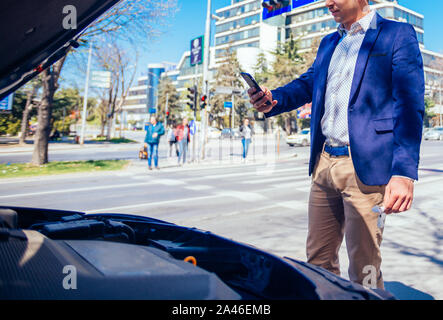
[
  {"x": 261, "y": 69},
  {"x": 133, "y": 21},
  {"x": 10, "y": 122},
  {"x": 228, "y": 75},
  {"x": 288, "y": 64},
  {"x": 117, "y": 61},
  {"x": 50, "y": 78},
  {"x": 166, "y": 89},
  {"x": 66, "y": 102},
  {"x": 429, "y": 104},
  {"x": 31, "y": 89}
]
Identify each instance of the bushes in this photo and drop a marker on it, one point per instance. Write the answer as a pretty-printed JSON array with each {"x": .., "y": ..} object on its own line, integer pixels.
[{"x": 9, "y": 125}]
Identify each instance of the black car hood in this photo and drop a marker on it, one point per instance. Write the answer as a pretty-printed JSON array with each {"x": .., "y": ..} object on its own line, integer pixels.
[{"x": 32, "y": 36}]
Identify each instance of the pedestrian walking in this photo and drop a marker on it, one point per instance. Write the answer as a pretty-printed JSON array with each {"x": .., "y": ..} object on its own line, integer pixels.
[
  {"x": 366, "y": 86},
  {"x": 153, "y": 133},
  {"x": 172, "y": 140},
  {"x": 246, "y": 133},
  {"x": 183, "y": 138}
]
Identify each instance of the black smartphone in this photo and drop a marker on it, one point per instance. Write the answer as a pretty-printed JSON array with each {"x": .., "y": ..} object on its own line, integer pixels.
[{"x": 253, "y": 84}]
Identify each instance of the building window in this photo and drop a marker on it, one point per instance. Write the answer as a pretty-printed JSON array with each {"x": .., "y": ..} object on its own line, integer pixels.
[
  {"x": 221, "y": 52},
  {"x": 240, "y": 10},
  {"x": 238, "y": 36},
  {"x": 238, "y": 23}
]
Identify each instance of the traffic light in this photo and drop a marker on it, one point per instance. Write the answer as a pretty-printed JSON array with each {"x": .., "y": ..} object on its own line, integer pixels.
[
  {"x": 203, "y": 102},
  {"x": 192, "y": 96}
]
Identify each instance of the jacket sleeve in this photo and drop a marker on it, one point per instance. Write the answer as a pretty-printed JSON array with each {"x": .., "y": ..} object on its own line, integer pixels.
[
  {"x": 161, "y": 131},
  {"x": 147, "y": 135},
  {"x": 293, "y": 95},
  {"x": 408, "y": 94}
]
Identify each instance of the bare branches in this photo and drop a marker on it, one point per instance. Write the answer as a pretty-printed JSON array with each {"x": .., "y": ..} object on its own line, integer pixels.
[{"x": 133, "y": 20}]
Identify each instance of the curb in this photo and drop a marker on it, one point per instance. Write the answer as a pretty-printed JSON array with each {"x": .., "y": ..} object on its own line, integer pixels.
[{"x": 66, "y": 147}]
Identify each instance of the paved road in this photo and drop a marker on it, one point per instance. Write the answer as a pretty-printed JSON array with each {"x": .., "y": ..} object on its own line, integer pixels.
[{"x": 261, "y": 204}]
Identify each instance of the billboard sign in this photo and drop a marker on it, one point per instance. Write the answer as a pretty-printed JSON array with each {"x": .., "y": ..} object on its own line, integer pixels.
[
  {"x": 197, "y": 51},
  {"x": 275, "y": 8},
  {"x": 6, "y": 104},
  {"x": 300, "y": 3},
  {"x": 101, "y": 79}
]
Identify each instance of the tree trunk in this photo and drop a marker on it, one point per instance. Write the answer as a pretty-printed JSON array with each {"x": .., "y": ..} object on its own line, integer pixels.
[
  {"x": 109, "y": 128},
  {"x": 288, "y": 125},
  {"x": 102, "y": 128},
  {"x": 25, "y": 118},
  {"x": 40, "y": 155},
  {"x": 50, "y": 84}
]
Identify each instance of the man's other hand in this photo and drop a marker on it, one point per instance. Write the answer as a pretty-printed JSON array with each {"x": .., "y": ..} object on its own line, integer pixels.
[
  {"x": 399, "y": 194},
  {"x": 259, "y": 99}
]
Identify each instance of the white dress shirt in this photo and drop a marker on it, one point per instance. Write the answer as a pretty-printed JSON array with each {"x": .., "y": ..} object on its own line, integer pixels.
[{"x": 341, "y": 70}]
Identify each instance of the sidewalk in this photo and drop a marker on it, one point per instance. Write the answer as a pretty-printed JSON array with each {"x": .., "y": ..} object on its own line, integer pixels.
[
  {"x": 60, "y": 146},
  {"x": 263, "y": 151}
]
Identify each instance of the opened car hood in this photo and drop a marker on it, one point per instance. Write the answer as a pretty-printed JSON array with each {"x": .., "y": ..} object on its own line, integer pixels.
[{"x": 32, "y": 36}]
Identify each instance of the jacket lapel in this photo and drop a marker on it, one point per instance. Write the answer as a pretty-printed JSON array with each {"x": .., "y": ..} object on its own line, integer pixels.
[{"x": 363, "y": 55}]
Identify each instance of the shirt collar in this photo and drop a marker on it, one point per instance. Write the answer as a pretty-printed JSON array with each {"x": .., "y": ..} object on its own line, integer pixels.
[{"x": 361, "y": 25}]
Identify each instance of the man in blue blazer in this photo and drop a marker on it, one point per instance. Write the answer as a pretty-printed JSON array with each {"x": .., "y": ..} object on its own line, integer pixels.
[{"x": 367, "y": 92}]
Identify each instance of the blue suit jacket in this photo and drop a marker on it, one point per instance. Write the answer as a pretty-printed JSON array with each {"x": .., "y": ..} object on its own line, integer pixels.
[{"x": 386, "y": 106}]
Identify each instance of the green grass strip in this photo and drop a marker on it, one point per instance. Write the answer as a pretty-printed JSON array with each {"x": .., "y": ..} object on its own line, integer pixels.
[{"x": 59, "y": 167}]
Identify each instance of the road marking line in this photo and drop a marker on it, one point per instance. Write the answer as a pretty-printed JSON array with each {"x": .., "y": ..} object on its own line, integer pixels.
[
  {"x": 293, "y": 185},
  {"x": 239, "y": 174},
  {"x": 244, "y": 196},
  {"x": 292, "y": 204},
  {"x": 199, "y": 187},
  {"x": 148, "y": 204},
  {"x": 285, "y": 178},
  {"x": 169, "y": 182},
  {"x": 76, "y": 190}
]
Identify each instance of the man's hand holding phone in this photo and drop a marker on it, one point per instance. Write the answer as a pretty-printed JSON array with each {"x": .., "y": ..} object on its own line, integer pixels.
[{"x": 260, "y": 99}]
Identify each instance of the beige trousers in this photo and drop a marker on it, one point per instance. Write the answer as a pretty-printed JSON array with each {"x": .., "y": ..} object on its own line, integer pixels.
[{"x": 341, "y": 205}]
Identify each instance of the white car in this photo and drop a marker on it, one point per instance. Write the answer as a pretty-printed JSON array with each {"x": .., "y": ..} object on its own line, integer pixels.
[
  {"x": 434, "y": 134},
  {"x": 302, "y": 139},
  {"x": 214, "y": 133}
]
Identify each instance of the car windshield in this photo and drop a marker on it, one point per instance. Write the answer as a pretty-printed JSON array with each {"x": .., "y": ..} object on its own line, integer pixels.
[{"x": 144, "y": 112}]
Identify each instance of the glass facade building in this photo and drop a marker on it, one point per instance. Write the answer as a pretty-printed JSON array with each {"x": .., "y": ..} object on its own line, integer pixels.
[
  {"x": 154, "y": 74},
  {"x": 239, "y": 26},
  {"x": 242, "y": 25}
]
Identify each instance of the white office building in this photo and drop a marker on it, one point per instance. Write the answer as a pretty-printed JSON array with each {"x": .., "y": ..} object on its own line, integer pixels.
[{"x": 243, "y": 29}]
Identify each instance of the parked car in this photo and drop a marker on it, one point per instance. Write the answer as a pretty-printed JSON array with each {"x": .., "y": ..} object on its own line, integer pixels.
[
  {"x": 434, "y": 134},
  {"x": 303, "y": 138},
  {"x": 214, "y": 133},
  {"x": 230, "y": 133}
]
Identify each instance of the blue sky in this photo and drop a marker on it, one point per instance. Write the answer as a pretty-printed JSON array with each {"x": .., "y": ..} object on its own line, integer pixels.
[{"x": 189, "y": 23}]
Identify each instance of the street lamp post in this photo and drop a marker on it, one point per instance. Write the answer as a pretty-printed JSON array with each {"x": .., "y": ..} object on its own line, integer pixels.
[
  {"x": 440, "y": 107},
  {"x": 156, "y": 90},
  {"x": 85, "y": 98},
  {"x": 205, "y": 75}
]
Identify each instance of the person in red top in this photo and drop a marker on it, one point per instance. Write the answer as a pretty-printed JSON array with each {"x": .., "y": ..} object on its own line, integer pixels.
[{"x": 183, "y": 138}]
